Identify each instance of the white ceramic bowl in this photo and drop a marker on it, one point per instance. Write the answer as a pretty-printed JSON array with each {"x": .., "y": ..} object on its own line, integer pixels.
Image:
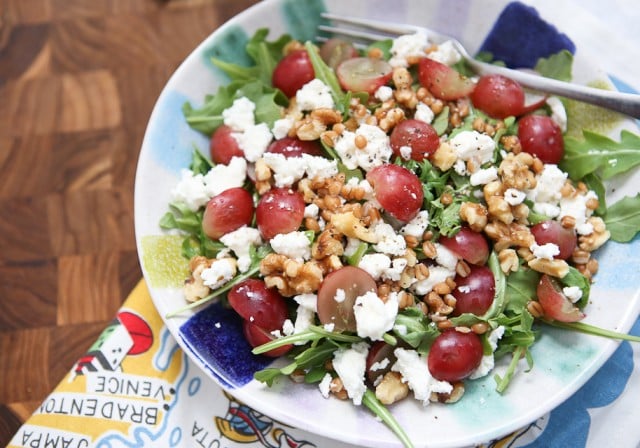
[{"x": 563, "y": 361}]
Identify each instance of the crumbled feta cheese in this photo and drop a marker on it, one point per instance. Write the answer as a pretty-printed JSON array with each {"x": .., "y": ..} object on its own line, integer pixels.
[
  {"x": 350, "y": 365},
  {"x": 407, "y": 46},
  {"x": 483, "y": 176},
  {"x": 514, "y": 197},
  {"x": 223, "y": 177},
  {"x": 377, "y": 152},
  {"x": 287, "y": 329},
  {"x": 352, "y": 246},
  {"x": 446, "y": 53},
  {"x": 464, "y": 289},
  {"x": 320, "y": 167},
  {"x": 196, "y": 190},
  {"x": 445, "y": 257},
  {"x": 487, "y": 362},
  {"x": 405, "y": 152},
  {"x": 546, "y": 251},
  {"x": 190, "y": 190},
  {"x": 340, "y": 295},
  {"x": 282, "y": 126},
  {"x": 239, "y": 117},
  {"x": 314, "y": 95},
  {"x": 383, "y": 93},
  {"x": 576, "y": 207},
  {"x": 288, "y": 170},
  {"x": 325, "y": 385},
  {"x": 474, "y": 147},
  {"x": 417, "y": 226},
  {"x": 558, "y": 112},
  {"x": 374, "y": 317},
  {"x": 415, "y": 372},
  {"x": 437, "y": 274},
  {"x": 311, "y": 211},
  {"x": 253, "y": 141},
  {"x": 375, "y": 264},
  {"x": 294, "y": 245},
  {"x": 329, "y": 327},
  {"x": 304, "y": 319},
  {"x": 546, "y": 193},
  {"x": 219, "y": 273},
  {"x": 573, "y": 293},
  {"x": 240, "y": 241},
  {"x": 389, "y": 242},
  {"x": 395, "y": 271},
  {"x": 380, "y": 365},
  {"x": 424, "y": 113}
]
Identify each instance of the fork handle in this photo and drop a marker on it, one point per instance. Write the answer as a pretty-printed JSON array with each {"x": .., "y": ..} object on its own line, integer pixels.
[{"x": 625, "y": 103}]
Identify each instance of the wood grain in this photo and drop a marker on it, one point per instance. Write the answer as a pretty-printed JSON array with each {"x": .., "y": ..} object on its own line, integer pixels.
[{"x": 78, "y": 80}]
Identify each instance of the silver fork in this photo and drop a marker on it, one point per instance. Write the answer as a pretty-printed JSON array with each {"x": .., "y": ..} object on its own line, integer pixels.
[{"x": 366, "y": 30}]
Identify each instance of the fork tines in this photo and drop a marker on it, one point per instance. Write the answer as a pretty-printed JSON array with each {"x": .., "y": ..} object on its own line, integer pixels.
[{"x": 365, "y": 30}]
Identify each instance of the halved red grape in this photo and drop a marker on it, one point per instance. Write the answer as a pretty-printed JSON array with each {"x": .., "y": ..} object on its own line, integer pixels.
[
  {"x": 378, "y": 353},
  {"x": 553, "y": 232},
  {"x": 337, "y": 295},
  {"x": 443, "y": 81},
  {"x": 294, "y": 147},
  {"x": 292, "y": 72},
  {"x": 454, "y": 355},
  {"x": 469, "y": 245},
  {"x": 539, "y": 135},
  {"x": 498, "y": 96},
  {"x": 223, "y": 147},
  {"x": 280, "y": 210},
  {"x": 335, "y": 51},
  {"x": 475, "y": 292},
  {"x": 262, "y": 306},
  {"x": 398, "y": 190},
  {"x": 364, "y": 74},
  {"x": 226, "y": 212},
  {"x": 555, "y": 304},
  {"x": 421, "y": 137},
  {"x": 256, "y": 336}
]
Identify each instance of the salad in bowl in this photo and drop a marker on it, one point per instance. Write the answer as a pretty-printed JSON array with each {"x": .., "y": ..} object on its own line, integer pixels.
[{"x": 385, "y": 227}]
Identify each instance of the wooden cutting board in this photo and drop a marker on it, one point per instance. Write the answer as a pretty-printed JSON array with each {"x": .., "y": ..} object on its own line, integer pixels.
[{"x": 78, "y": 80}]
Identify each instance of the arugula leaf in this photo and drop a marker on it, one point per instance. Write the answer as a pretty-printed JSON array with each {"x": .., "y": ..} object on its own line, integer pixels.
[
  {"x": 266, "y": 54},
  {"x": 268, "y": 101},
  {"x": 326, "y": 74},
  {"x": 413, "y": 327},
  {"x": 623, "y": 218},
  {"x": 597, "y": 153},
  {"x": 199, "y": 163},
  {"x": 557, "y": 66},
  {"x": 583, "y": 327},
  {"x": 521, "y": 288},
  {"x": 575, "y": 278},
  {"x": 595, "y": 184},
  {"x": 374, "y": 405}
]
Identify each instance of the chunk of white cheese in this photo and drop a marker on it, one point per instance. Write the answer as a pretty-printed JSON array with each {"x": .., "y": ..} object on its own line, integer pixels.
[
  {"x": 474, "y": 147},
  {"x": 223, "y": 177},
  {"x": 415, "y": 372},
  {"x": 314, "y": 95},
  {"x": 374, "y": 317},
  {"x": 376, "y": 152},
  {"x": 350, "y": 365},
  {"x": 240, "y": 242},
  {"x": 219, "y": 273},
  {"x": 294, "y": 245},
  {"x": 408, "y": 46}
]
